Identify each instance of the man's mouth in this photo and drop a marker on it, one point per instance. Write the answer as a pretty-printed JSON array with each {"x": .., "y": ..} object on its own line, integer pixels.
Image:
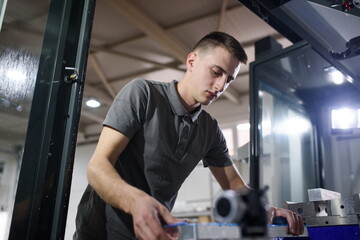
[{"x": 211, "y": 94}]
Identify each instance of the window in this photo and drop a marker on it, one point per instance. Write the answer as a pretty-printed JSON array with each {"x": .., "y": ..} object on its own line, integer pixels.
[
  {"x": 243, "y": 133},
  {"x": 236, "y": 136},
  {"x": 228, "y": 134}
]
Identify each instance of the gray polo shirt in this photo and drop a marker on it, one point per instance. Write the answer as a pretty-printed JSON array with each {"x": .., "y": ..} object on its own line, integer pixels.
[{"x": 166, "y": 143}]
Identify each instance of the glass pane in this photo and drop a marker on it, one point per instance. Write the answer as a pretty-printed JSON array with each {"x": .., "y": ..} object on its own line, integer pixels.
[
  {"x": 243, "y": 134},
  {"x": 286, "y": 149},
  {"x": 228, "y": 134},
  {"x": 287, "y": 142},
  {"x": 21, "y": 39}
]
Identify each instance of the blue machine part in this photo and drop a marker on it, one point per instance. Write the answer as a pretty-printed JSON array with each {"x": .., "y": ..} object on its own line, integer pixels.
[{"x": 346, "y": 232}]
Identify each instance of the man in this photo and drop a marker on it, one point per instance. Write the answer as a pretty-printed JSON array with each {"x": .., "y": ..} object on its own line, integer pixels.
[{"x": 154, "y": 135}]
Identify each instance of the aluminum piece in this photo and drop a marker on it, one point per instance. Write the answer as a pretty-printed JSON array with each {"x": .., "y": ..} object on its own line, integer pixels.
[
  {"x": 282, "y": 231},
  {"x": 321, "y": 208},
  {"x": 331, "y": 221},
  {"x": 333, "y": 212},
  {"x": 305, "y": 209},
  {"x": 335, "y": 207},
  {"x": 356, "y": 198},
  {"x": 320, "y": 194},
  {"x": 341, "y": 207},
  {"x": 209, "y": 231}
]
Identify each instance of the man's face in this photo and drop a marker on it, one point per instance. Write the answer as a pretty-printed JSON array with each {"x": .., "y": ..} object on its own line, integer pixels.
[{"x": 212, "y": 72}]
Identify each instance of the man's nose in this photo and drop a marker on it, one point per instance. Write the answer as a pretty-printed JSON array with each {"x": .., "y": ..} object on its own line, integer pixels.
[{"x": 220, "y": 84}]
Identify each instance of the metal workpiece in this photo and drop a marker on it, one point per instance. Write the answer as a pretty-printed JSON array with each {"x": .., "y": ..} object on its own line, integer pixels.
[
  {"x": 341, "y": 207},
  {"x": 342, "y": 211},
  {"x": 304, "y": 209},
  {"x": 225, "y": 231},
  {"x": 209, "y": 231},
  {"x": 356, "y": 198},
  {"x": 331, "y": 221},
  {"x": 274, "y": 231}
]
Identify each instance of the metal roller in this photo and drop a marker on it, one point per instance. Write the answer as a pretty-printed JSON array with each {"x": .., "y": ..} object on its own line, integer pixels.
[
  {"x": 229, "y": 207},
  {"x": 246, "y": 208}
]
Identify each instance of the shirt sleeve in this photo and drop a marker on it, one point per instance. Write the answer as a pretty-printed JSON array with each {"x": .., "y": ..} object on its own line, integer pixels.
[
  {"x": 218, "y": 155},
  {"x": 128, "y": 109}
]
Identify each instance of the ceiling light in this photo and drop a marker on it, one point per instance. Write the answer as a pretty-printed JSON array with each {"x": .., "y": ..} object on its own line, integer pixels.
[
  {"x": 337, "y": 77},
  {"x": 93, "y": 103},
  {"x": 15, "y": 75},
  {"x": 344, "y": 118}
]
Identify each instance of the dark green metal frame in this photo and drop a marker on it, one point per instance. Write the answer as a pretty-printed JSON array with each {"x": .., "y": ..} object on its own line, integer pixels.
[{"x": 42, "y": 196}]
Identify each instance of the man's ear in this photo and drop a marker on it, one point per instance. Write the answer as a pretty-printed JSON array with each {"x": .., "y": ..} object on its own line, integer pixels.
[{"x": 190, "y": 60}]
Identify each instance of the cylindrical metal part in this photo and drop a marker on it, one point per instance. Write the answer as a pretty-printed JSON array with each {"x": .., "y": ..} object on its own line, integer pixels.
[{"x": 229, "y": 207}]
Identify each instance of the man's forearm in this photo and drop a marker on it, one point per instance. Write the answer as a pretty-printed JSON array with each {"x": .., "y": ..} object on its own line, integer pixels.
[{"x": 110, "y": 186}]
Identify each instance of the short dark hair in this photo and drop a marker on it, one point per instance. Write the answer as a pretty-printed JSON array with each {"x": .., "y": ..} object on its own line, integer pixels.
[{"x": 228, "y": 42}]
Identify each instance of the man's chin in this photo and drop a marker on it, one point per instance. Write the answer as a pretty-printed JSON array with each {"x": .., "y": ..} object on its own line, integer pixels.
[{"x": 205, "y": 103}]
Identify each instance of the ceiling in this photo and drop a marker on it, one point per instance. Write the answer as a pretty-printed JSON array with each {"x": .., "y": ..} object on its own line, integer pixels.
[
  {"x": 130, "y": 39},
  {"x": 151, "y": 39}
]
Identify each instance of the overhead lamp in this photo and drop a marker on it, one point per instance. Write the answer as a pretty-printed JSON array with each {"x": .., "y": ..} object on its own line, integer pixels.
[
  {"x": 345, "y": 118},
  {"x": 93, "y": 103},
  {"x": 335, "y": 75},
  {"x": 16, "y": 75}
]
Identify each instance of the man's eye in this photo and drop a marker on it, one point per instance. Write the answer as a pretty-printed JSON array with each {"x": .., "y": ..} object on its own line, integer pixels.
[{"x": 215, "y": 73}]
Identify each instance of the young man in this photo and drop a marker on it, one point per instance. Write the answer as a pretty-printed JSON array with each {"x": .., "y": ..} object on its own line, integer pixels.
[{"x": 154, "y": 135}]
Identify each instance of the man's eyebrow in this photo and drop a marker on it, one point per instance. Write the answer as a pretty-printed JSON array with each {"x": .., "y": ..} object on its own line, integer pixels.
[{"x": 224, "y": 71}]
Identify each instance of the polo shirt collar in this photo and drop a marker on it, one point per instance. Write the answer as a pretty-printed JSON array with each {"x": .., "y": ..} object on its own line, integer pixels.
[{"x": 177, "y": 106}]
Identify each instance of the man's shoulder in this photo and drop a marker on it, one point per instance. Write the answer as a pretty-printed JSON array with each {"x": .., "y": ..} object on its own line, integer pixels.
[
  {"x": 145, "y": 83},
  {"x": 204, "y": 116}
]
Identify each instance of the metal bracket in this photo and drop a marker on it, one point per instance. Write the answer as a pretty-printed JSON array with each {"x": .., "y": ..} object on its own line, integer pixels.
[
  {"x": 352, "y": 50},
  {"x": 73, "y": 76}
]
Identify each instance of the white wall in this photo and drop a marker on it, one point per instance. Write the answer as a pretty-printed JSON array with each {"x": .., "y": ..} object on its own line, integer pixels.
[
  {"x": 78, "y": 185},
  {"x": 198, "y": 189},
  {"x": 8, "y": 182}
]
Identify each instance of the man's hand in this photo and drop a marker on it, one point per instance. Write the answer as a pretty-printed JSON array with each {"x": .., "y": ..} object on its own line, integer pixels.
[
  {"x": 148, "y": 215},
  {"x": 295, "y": 221}
]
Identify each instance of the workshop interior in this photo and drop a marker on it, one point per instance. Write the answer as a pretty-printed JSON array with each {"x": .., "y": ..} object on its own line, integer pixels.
[{"x": 291, "y": 119}]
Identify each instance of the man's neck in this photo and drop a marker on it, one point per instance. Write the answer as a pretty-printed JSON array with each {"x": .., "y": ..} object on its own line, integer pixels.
[{"x": 189, "y": 103}]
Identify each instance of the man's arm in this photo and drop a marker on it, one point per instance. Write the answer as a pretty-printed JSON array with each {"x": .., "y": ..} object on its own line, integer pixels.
[
  {"x": 103, "y": 177},
  {"x": 230, "y": 178}
]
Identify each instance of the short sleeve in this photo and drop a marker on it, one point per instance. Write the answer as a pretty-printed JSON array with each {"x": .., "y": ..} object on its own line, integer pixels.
[
  {"x": 128, "y": 109},
  {"x": 218, "y": 155}
]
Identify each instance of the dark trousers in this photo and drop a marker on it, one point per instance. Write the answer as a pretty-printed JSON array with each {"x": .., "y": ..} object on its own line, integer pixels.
[{"x": 96, "y": 220}]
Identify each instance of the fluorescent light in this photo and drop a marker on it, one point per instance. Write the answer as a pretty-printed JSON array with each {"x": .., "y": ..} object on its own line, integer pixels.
[
  {"x": 344, "y": 118},
  {"x": 337, "y": 77},
  {"x": 15, "y": 75},
  {"x": 93, "y": 103}
]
